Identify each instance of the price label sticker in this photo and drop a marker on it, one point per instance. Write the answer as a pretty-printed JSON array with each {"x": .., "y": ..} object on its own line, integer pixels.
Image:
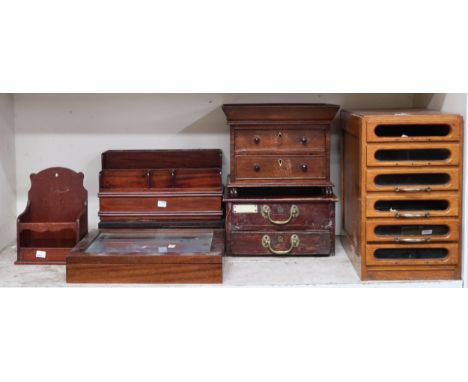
[
  {"x": 426, "y": 232},
  {"x": 162, "y": 204},
  {"x": 162, "y": 249},
  {"x": 171, "y": 246},
  {"x": 245, "y": 208},
  {"x": 41, "y": 254}
]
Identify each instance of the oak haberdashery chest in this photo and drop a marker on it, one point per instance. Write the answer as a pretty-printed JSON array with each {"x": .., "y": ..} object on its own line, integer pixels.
[{"x": 402, "y": 193}]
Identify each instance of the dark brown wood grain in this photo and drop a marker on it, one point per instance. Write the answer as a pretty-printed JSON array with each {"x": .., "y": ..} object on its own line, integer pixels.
[
  {"x": 148, "y": 159},
  {"x": 160, "y": 186},
  {"x": 314, "y": 222},
  {"x": 280, "y": 144},
  {"x": 55, "y": 218}
]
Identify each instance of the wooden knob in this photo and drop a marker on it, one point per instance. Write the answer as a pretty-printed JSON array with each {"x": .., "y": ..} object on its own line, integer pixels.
[
  {"x": 304, "y": 167},
  {"x": 257, "y": 140},
  {"x": 257, "y": 167},
  {"x": 304, "y": 140}
]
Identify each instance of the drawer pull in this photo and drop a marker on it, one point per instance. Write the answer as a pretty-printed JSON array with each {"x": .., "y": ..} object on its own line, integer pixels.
[
  {"x": 266, "y": 243},
  {"x": 257, "y": 168},
  {"x": 257, "y": 140},
  {"x": 293, "y": 213},
  {"x": 407, "y": 215},
  {"x": 409, "y": 240},
  {"x": 304, "y": 167},
  {"x": 405, "y": 189},
  {"x": 304, "y": 140}
]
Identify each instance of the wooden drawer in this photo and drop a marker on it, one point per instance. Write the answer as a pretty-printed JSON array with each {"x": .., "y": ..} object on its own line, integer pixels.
[
  {"x": 413, "y": 180},
  {"x": 414, "y": 154},
  {"x": 414, "y": 231},
  {"x": 160, "y": 205},
  {"x": 274, "y": 243},
  {"x": 412, "y": 254},
  {"x": 277, "y": 139},
  {"x": 411, "y": 206},
  {"x": 410, "y": 130},
  {"x": 161, "y": 178},
  {"x": 185, "y": 178},
  {"x": 282, "y": 216},
  {"x": 123, "y": 179},
  {"x": 280, "y": 168}
]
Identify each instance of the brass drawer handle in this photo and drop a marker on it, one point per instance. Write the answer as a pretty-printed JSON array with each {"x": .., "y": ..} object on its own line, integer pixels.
[
  {"x": 409, "y": 240},
  {"x": 405, "y": 189},
  {"x": 266, "y": 243},
  {"x": 293, "y": 213},
  {"x": 399, "y": 214}
]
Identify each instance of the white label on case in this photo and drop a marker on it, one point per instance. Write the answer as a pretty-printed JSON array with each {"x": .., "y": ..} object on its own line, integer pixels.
[
  {"x": 171, "y": 246},
  {"x": 162, "y": 203},
  {"x": 426, "y": 232},
  {"x": 162, "y": 249},
  {"x": 41, "y": 254},
  {"x": 245, "y": 208}
]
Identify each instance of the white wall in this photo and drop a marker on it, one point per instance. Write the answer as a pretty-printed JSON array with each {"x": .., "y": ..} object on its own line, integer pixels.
[
  {"x": 72, "y": 130},
  {"x": 7, "y": 171}
]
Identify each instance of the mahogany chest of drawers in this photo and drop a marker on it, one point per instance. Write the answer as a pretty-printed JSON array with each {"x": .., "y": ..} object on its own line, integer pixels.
[
  {"x": 279, "y": 198},
  {"x": 279, "y": 145},
  {"x": 301, "y": 223},
  {"x": 160, "y": 188},
  {"x": 401, "y": 183}
]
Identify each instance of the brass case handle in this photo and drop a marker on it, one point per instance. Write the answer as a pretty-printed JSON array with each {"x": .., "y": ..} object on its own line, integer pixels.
[
  {"x": 266, "y": 243},
  {"x": 409, "y": 240},
  {"x": 408, "y": 215},
  {"x": 409, "y": 189},
  {"x": 293, "y": 213}
]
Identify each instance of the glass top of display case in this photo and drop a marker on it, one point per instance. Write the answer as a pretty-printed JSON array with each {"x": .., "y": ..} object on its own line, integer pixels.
[{"x": 151, "y": 242}]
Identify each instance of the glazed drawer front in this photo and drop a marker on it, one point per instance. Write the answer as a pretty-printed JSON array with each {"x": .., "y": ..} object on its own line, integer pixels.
[
  {"x": 416, "y": 231},
  {"x": 273, "y": 243},
  {"x": 412, "y": 254},
  {"x": 282, "y": 216},
  {"x": 409, "y": 131},
  {"x": 412, "y": 206},
  {"x": 413, "y": 180},
  {"x": 415, "y": 154},
  {"x": 277, "y": 139},
  {"x": 265, "y": 167},
  {"x": 160, "y": 205},
  {"x": 164, "y": 178}
]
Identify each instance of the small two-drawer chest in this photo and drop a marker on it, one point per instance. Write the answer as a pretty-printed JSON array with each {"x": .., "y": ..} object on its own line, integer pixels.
[
  {"x": 279, "y": 198},
  {"x": 280, "y": 145},
  {"x": 401, "y": 184}
]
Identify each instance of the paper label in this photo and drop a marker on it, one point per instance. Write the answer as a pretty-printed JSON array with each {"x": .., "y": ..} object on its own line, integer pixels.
[
  {"x": 245, "y": 208},
  {"x": 426, "y": 232},
  {"x": 171, "y": 246},
  {"x": 41, "y": 254},
  {"x": 162, "y": 203},
  {"x": 162, "y": 249}
]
